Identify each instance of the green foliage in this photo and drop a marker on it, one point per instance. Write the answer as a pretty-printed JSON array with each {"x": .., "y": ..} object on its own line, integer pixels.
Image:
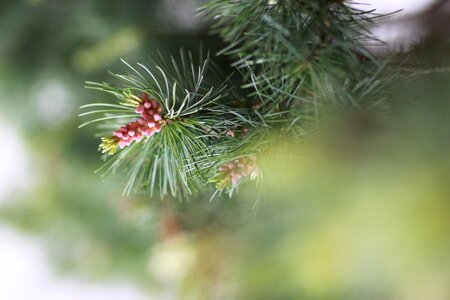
[
  {"x": 353, "y": 209},
  {"x": 196, "y": 113},
  {"x": 298, "y": 60},
  {"x": 301, "y": 56}
]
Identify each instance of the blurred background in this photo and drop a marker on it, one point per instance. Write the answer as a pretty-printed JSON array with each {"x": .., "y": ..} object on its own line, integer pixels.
[{"x": 364, "y": 214}]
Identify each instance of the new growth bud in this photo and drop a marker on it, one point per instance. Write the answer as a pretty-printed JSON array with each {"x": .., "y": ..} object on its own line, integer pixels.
[
  {"x": 150, "y": 122},
  {"x": 232, "y": 172}
]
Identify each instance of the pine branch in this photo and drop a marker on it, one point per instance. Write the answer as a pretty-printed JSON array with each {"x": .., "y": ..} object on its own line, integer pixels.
[
  {"x": 178, "y": 126},
  {"x": 299, "y": 57},
  {"x": 165, "y": 118}
]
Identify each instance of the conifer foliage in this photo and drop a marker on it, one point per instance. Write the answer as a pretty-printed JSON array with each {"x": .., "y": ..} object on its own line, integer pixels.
[{"x": 179, "y": 126}]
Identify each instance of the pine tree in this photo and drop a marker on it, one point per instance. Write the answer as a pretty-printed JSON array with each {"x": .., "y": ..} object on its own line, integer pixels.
[
  {"x": 179, "y": 127},
  {"x": 283, "y": 222}
]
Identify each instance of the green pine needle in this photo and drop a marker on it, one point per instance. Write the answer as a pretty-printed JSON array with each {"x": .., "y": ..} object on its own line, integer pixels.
[{"x": 196, "y": 115}]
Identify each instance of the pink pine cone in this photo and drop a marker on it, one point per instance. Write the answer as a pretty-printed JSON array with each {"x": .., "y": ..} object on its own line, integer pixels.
[{"x": 150, "y": 122}]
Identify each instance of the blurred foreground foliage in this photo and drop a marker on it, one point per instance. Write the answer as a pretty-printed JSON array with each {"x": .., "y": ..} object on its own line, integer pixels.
[{"x": 360, "y": 212}]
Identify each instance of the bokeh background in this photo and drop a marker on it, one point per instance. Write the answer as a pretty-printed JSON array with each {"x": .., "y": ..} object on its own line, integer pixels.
[{"x": 362, "y": 214}]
